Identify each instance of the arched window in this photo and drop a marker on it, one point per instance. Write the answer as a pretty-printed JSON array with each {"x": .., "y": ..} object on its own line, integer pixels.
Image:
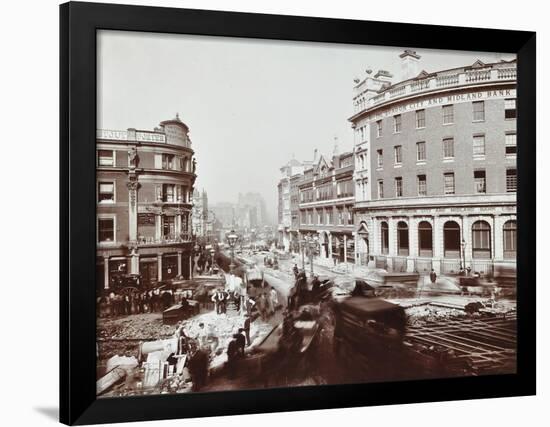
[
  {"x": 451, "y": 240},
  {"x": 402, "y": 238},
  {"x": 384, "y": 237},
  {"x": 425, "y": 244},
  {"x": 481, "y": 240},
  {"x": 510, "y": 239}
]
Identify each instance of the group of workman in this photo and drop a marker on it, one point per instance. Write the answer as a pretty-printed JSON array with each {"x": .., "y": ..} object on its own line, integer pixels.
[
  {"x": 118, "y": 304},
  {"x": 266, "y": 303}
]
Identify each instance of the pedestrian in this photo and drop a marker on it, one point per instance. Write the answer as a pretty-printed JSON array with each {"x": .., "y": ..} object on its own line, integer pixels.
[
  {"x": 246, "y": 328},
  {"x": 110, "y": 305},
  {"x": 220, "y": 300},
  {"x": 433, "y": 276},
  {"x": 291, "y": 300},
  {"x": 101, "y": 306},
  {"x": 200, "y": 335},
  {"x": 141, "y": 303},
  {"x": 241, "y": 341},
  {"x": 183, "y": 342},
  {"x": 296, "y": 271},
  {"x": 224, "y": 297},
  {"x": 167, "y": 299},
  {"x": 185, "y": 306},
  {"x": 154, "y": 302},
  {"x": 119, "y": 305},
  {"x": 148, "y": 305},
  {"x": 274, "y": 297},
  {"x": 249, "y": 305},
  {"x": 315, "y": 286},
  {"x": 232, "y": 354},
  {"x": 243, "y": 294},
  {"x": 214, "y": 299},
  {"x": 198, "y": 368},
  {"x": 301, "y": 290},
  {"x": 135, "y": 301},
  {"x": 262, "y": 306},
  {"x": 133, "y": 304},
  {"x": 237, "y": 299}
]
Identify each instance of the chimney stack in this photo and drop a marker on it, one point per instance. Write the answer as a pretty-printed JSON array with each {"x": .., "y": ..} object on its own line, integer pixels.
[
  {"x": 336, "y": 150},
  {"x": 409, "y": 64},
  {"x": 315, "y": 156}
]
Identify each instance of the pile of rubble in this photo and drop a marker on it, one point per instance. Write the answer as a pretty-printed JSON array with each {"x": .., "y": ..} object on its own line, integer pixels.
[
  {"x": 136, "y": 327},
  {"x": 152, "y": 371},
  {"x": 430, "y": 313},
  {"x": 218, "y": 331},
  {"x": 121, "y": 336}
]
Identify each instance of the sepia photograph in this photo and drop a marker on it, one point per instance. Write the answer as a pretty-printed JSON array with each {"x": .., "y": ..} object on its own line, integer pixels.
[{"x": 279, "y": 213}]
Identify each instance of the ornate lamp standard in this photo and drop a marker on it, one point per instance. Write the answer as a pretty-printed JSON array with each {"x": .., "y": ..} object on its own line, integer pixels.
[
  {"x": 232, "y": 238},
  {"x": 311, "y": 245},
  {"x": 463, "y": 254},
  {"x": 302, "y": 251}
]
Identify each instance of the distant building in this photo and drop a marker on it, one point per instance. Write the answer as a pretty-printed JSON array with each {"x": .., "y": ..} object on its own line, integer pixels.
[
  {"x": 201, "y": 220},
  {"x": 225, "y": 213},
  {"x": 287, "y": 204},
  {"x": 250, "y": 211},
  {"x": 144, "y": 199},
  {"x": 435, "y": 177}
]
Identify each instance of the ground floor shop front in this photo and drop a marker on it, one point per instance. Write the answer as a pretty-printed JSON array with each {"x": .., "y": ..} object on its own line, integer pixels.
[
  {"x": 448, "y": 240},
  {"x": 331, "y": 246},
  {"x": 147, "y": 266}
]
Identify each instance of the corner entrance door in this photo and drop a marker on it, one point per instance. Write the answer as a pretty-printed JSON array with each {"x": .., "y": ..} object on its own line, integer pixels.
[{"x": 148, "y": 271}]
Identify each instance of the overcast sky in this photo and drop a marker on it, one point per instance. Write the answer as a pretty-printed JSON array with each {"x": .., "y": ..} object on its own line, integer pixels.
[{"x": 250, "y": 104}]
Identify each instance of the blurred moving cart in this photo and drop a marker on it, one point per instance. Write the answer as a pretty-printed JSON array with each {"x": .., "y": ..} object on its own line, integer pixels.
[
  {"x": 178, "y": 312},
  {"x": 288, "y": 346}
]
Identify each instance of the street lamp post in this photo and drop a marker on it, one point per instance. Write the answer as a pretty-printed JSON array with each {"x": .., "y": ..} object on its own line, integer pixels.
[
  {"x": 302, "y": 251},
  {"x": 311, "y": 244},
  {"x": 314, "y": 243},
  {"x": 232, "y": 238},
  {"x": 463, "y": 254}
]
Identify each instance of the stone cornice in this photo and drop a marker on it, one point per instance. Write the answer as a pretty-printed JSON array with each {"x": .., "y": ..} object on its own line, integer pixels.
[{"x": 504, "y": 199}]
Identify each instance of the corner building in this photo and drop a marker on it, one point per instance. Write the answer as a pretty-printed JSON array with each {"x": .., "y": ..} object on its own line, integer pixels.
[
  {"x": 436, "y": 168},
  {"x": 144, "y": 200}
]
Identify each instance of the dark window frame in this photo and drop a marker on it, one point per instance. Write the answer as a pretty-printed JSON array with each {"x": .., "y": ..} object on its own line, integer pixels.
[{"x": 101, "y": 230}]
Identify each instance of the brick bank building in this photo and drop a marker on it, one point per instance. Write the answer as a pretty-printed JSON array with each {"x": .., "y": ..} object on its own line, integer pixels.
[
  {"x": 144, "y": 199},
  {"x": 435, "y": 168}
]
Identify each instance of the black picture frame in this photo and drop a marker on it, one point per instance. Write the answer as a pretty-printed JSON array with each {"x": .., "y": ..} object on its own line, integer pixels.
[{"x": 78, "y": 25}]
